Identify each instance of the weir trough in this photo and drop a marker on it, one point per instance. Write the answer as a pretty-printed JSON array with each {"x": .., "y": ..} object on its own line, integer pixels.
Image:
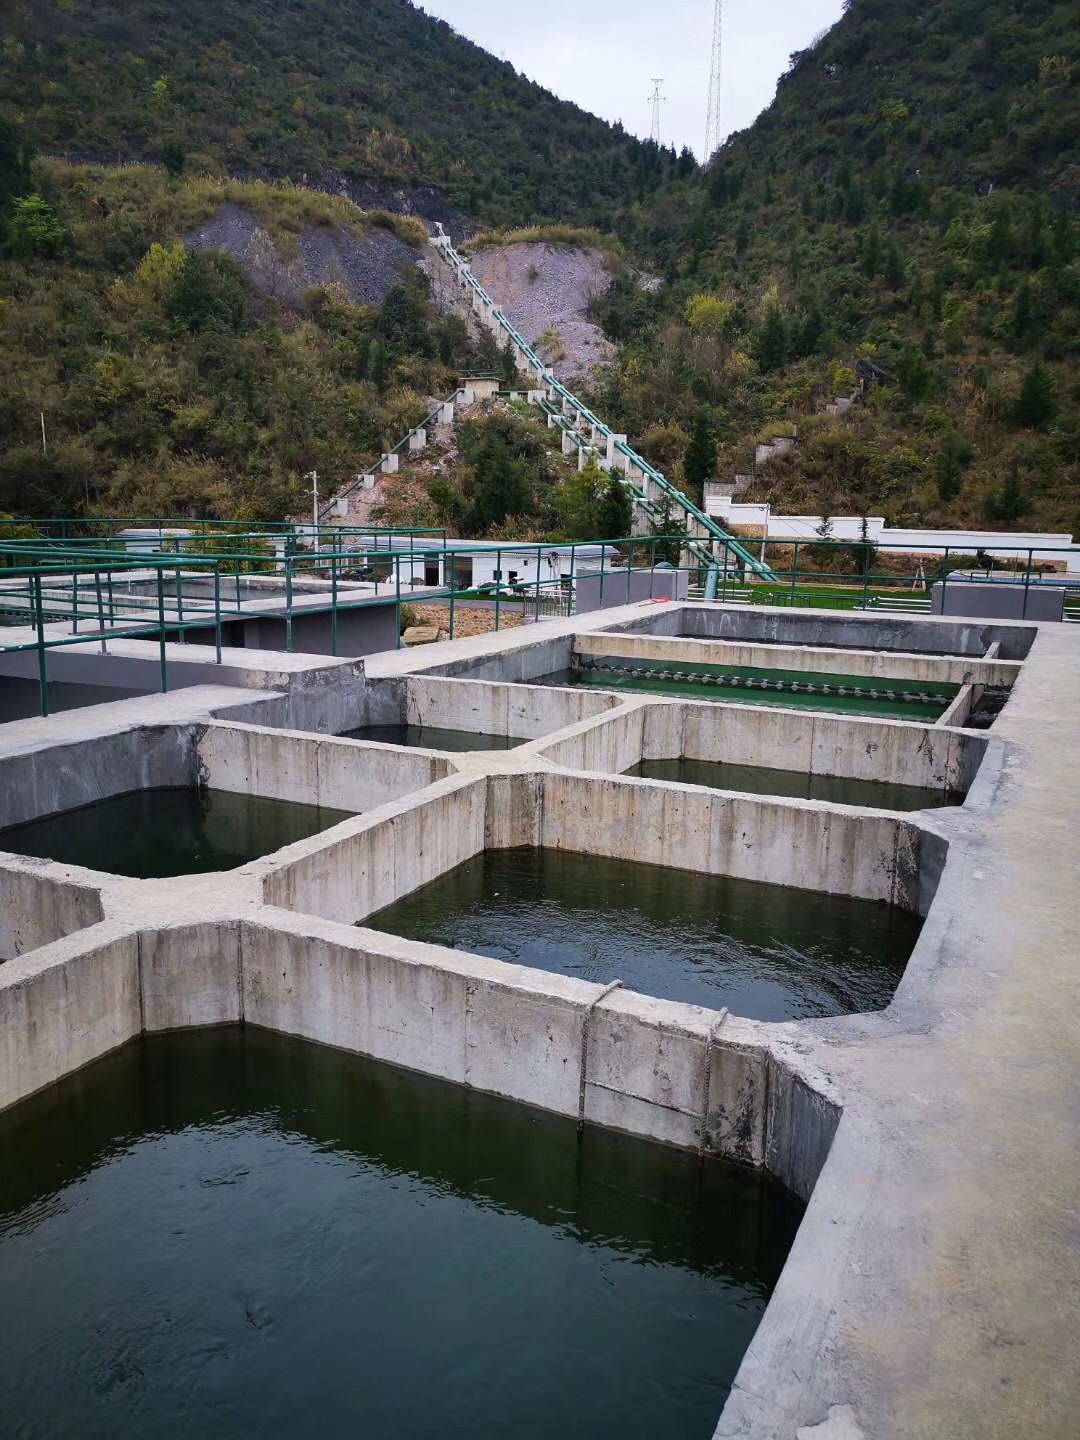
[{"x": 866, "y": 1106}]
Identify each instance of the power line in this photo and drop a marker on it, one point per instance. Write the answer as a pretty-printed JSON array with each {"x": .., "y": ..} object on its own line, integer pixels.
[{"x": 712, "y": 120}]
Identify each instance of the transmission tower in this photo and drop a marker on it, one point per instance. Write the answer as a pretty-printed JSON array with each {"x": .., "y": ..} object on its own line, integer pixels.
[
  {"x": 656, "y": 100},
  {"x": 712, "y": 121}
]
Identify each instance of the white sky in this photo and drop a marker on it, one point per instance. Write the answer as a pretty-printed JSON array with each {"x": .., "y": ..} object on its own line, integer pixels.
[{"x": 602, "y": 54}]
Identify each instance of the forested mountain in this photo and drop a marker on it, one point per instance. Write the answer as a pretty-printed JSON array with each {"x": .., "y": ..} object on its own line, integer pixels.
[
  {"x": 910, "y": 199},
  {"x": 300, "y": 88}
]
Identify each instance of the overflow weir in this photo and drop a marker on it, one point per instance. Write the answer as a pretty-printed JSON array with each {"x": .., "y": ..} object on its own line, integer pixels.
[{"x": 920, "y": 1122}]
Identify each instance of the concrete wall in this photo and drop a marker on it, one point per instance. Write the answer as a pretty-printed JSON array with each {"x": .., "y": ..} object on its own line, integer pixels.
[
  {"x": 45, "y": 778},
  {"x": 998, "y": 601},
  {"x": 871, "y": 663},
  {"x": 37, "y": 908},
  {"x": 858, "y": 631},
  {"x": 627, "y": 587},
  {"x": 890, "y": 751},
  {"x": 362, "y": 630},
  {"x": 310, "y": 769},
  {"x": 383, "y": 856},
  {"x": 494, "y": 709}
]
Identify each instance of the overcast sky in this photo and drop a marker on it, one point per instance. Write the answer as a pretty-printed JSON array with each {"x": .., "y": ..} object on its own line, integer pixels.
[{"x": 603, "y": 53}]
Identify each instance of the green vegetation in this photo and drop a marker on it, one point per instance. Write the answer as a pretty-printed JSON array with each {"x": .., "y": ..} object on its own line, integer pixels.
[
  {"x": 167, "y": 386},
  {"x": 910, "y": 199},
  {"x": 312, "y": 92}
]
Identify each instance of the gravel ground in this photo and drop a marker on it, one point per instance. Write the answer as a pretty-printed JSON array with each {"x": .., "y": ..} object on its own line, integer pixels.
[{"x": 548, "y": 287}]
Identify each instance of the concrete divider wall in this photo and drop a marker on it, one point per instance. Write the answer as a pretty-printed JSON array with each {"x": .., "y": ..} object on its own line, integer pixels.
[
  {"x": 37, "y": 908},
  {"x": 887, "y": 751},
  {"x": 46, "y": 778},
  {"x": 857, "y": 630},
  {"x": 379, "y": 858},
  {"x": 489, "y": 708},
  {"x": 809, "y": 846},
  {"x": 312, "y": 769},
  {"x": 610, "y": 744},
  {"x": 878, "y": 665},
  {"x": 517, "y": 662},
  {"x": 63, "y": 1006}
]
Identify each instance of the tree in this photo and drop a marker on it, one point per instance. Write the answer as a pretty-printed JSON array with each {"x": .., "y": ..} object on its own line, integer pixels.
[
  {"x": 1035, "y": 405},
  {"x": 667, "y": 524},
  {"x": 1008, "y": 502},
  {"x": 914, "y": 373},
  {"x": 498, "y": 486},
  {"x": 771, "y": 349},
  {"x": 577, "y": 500},
  {"x": 35, "y": 229},
  {"x": 14, "y": 167},
  {"x": 208, "y": 293},
  {"x": 615, "y": 511},
  {"x": 508, "y": 371},
  {"x": 699, "y": 461}
]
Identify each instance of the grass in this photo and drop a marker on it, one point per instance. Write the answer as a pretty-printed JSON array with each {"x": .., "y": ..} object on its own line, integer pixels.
[
  {"x": 565, "y": 236},
  {"x": 174, "y": 207}
]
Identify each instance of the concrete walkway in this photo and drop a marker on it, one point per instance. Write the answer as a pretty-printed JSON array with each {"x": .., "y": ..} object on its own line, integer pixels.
[{"x": 934, "y": 1290}]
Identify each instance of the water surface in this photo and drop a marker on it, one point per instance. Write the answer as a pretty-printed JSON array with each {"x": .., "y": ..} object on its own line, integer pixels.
[
  {"x": 149, "y": 834},
  {"x": 795, "y": 784},
  {"x": 766, "y": 951},
  {"x": 229, "y": 1233},
  {"x": 432, "y": 737}
]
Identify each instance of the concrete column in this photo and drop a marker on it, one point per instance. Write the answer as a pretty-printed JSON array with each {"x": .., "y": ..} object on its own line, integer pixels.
[
  {"x": 389, "y": 464},
  {"x": 418, "y": 439},
  {"x": 582, "y": 458},
  {"x": 369, "y": 481},
  {"x": 568, "y": 446},
  {"x": 468, "y": 397},
  {"x": 446, "y": 413},
  {"x": 616, "y": 461},
  {"x": 534, "y": 397}
]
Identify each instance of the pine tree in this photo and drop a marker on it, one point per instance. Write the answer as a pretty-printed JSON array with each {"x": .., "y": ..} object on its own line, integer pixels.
[
  {"x": 1035, "y": 404},
  {"x": 614, "y": 511},
  {"x": 771, "y": 350},
  {"x": 699, "y": 460}
]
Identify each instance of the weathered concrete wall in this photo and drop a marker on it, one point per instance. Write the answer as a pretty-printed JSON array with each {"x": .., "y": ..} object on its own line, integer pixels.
[
  {"x": 871, "y": 663},
  {"x": 37, "y": 908},
  {"x": 889, "y": 751},
  {"x": 610, "y": 743},
  {"x": 810, "y": 846},
  {"x": 386, "y": 854},
  {"x": 310, "y": 769},
  {"x": 65, "y": 1005},
  {"x": 43, "y": 778},
  {"x": 861, "y": 631},
  {"x": 495, "y": 709}
]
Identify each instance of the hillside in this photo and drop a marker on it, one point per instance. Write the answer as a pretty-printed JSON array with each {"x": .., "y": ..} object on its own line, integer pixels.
[
  {"x": 909, "y": 198},
  {"x": 176, "y": 379},
  {"x": 371, "y": 98}
]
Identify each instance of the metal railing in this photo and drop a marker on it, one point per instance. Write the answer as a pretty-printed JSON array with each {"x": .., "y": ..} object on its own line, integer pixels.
[{"x": 51, "y": 600}]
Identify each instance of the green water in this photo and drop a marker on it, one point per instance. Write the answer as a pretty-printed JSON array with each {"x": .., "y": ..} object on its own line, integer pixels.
[
  {"x": 834, "y": 703},
  {"x": 797, "y": 784},
  {"x": 431, "y": 737},
  {"x": 229, "y": 1233},
  {"x": 765, "y": 951},
  {"x": 149, "y": 834}
]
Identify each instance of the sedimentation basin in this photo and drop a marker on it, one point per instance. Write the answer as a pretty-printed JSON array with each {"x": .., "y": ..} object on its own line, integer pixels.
[{"x": 930, "y": 1287}]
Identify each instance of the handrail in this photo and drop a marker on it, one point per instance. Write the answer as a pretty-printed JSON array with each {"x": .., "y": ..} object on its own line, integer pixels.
[{"x": 443, "y": 245}]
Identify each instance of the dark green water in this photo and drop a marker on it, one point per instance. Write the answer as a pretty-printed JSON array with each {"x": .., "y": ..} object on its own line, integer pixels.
[
  {"x": 765, "y": 951},
  {"x": 149, "y": 834},
  {"x": 431, "y": 737},
  {"x": 229, "y": 1233},
  {"x": 833, "y": 703},
  {"x": 760, "y": 780}
]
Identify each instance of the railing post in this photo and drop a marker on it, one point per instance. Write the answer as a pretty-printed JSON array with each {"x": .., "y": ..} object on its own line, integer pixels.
[
  {"x": 536, "y": 617},
  {"x": 179, "y": 604},
  {"x": 39, "y": 625},
  {"x": 498, "y": 587},
  {"x": 217, "y": 614},
  {"x": 397, "y": 596},
  {"x": 100, "y": 610},
  {"x": 1027, "y": 584},
  {"x": 161, "y": 631},
  {"x": 452, "y": 555},
  {"x": 75, "y": 603},
  {"x": 944, "y": 583},
  {"x": 866, "y": 575},
  {"x": 288, "y": 602},
  {"x": 794, "y": 574},
  {"x": 333, "y": 605}
]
